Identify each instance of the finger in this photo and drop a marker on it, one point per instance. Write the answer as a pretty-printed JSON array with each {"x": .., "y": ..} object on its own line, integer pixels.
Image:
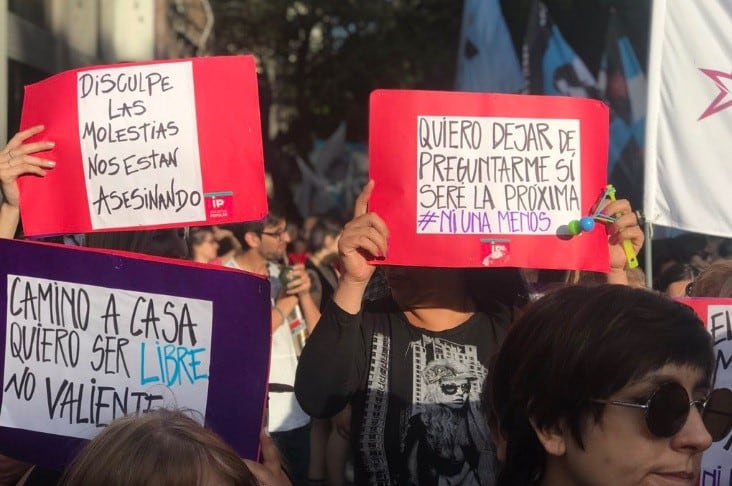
[
  {"x": 366, "y": 244},
  {"x": 298, "y": 284},
  {"x": 29, "y": 148},
  {"x": 625, "y": 221},
  {"x": 21, "y": 137},
  {"x": 28, "y": 160},
  {"x": 634, "y": 234},
  {"x": 270, "y": 453},
  {"x": 18, "y": 170},
  {"x": 362, "y": 201},
  {"x": 368, "y": 220},
  {"x": 615, "y": 208}
]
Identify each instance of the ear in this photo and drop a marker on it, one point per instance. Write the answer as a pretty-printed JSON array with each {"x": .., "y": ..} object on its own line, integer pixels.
[
  {"x": 552, "y": 438},
  {"x": 252, "y": 239}
]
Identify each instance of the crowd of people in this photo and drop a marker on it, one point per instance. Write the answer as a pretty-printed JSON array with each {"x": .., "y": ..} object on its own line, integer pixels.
[{"x": 416, "y": 375}]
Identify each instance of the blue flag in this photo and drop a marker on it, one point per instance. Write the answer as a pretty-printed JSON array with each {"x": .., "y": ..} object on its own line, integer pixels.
[
  {"x": 550, "y": 65},
  {"x": 487, "y": 60},
  {"x": 623, "y": 86}
]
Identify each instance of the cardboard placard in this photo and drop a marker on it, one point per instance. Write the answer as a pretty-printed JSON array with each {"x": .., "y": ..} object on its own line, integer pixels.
[
  {"x": 146, "y": 145},
  {"x": 717, "y": 316},
  {"x": 88, "y": 336},
  {"x": 471, "y": 180}
]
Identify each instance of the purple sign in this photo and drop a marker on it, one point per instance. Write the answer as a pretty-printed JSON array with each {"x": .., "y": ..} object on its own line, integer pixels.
[{"x": 88, "y": 336}]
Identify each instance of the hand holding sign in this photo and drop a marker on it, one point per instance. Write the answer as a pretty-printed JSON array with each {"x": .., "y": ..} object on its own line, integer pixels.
[
  {"x": 15, "y": 160},
  {"x": 624, "y": 228},
  {"x": 364, "y": 237}
]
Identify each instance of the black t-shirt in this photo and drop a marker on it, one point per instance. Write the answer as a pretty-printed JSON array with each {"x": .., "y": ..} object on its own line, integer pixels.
[{"x": 414, "y": 393}]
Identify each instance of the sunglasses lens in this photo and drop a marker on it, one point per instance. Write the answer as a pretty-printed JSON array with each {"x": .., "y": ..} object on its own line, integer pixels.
[
  {"x": 667, "y": 410},
  {"x": 718, "y": 413},
  {"x": 449, "y": 389}
]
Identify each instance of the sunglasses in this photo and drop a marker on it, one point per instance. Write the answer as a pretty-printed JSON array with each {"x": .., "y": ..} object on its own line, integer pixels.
[
  {"x": 452, "y": 388},
  {"x": 668, "y": 408}
]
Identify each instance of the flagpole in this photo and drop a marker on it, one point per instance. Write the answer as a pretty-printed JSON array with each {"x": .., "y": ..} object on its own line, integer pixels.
[{"x": 648, "y": 255}]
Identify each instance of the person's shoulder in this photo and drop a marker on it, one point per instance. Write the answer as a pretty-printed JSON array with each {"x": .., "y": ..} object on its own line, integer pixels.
[{"x": 383, "y": 305}]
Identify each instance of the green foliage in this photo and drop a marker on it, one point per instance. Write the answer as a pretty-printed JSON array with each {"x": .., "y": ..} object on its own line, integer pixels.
[{"x": 322, "y": 58}]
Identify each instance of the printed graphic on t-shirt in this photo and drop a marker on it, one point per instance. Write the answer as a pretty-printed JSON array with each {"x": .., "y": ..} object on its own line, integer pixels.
[{"x": 445, "y": 439}]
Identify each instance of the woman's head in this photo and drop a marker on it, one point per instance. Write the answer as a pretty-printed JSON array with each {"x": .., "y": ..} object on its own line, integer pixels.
[
  {"x": 448, "y": 383},
  {"x": 324, "y": 236},
  {"x": 674, "y": 279},
  {"x": 577, "y": 347},
  {"x": 715, "y": 281},
  {"x": 202, "y": 245},
  {"x": 168, "y": 243},
  {"x": 163, "y": 447}
]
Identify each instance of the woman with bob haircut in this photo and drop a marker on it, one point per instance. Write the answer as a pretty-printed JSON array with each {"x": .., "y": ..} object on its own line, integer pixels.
[
  {"x": 605, "y": 385},
  {"x": 168, "y": 448}
]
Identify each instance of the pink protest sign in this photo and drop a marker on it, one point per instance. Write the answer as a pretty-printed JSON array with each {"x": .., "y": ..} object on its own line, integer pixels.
[
  {"x": 473, "y": 180},
  {"x": 147, "y": 145},
  {"x": 717, "y": 316}
]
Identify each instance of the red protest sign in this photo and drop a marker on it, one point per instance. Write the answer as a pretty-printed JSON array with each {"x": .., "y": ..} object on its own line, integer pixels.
[
  {"x": 471, "y": 180},
  {"x": 716, "y": 313},
  {"x": 146, "y": 145}
]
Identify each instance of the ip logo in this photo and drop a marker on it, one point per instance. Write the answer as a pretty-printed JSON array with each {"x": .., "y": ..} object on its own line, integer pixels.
[{"x": 219, "y": 205}]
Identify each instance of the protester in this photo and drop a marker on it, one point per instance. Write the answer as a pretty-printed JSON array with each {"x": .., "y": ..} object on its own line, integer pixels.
[
  {"x": 605, "y": 385},
  {"x": 167, "y": 447},
  {"x": 16, "y": 160},
  {"x": 263, "y": 244},
  {"x": 374, "y": 357},
  {"x": 322, "y": 254},
  {"x": 715, "y": 281},
  {"x": 675, "y": 278},
  {"x": 636, "y": 277},
  {"x": 204, "y": 243},
  {"x": 168, "y": 243},
  {"x": 329, "y": 449}
]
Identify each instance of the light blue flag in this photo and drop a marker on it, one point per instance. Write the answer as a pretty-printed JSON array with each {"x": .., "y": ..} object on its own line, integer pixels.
[{"x": 487, "y": 60}]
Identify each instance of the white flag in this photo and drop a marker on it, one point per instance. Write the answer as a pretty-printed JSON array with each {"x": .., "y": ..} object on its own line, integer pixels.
[
  {"x": 688, "y": 167},
  {"x": 487, "y": 60}
]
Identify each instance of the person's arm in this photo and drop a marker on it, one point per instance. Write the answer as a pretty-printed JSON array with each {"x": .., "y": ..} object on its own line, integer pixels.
[
  {"x": 15, "y": 161},
  {"x": 625, "y": 227},
  {"x": 328, "y": 371},
  {"x": 365, "y": 234}
]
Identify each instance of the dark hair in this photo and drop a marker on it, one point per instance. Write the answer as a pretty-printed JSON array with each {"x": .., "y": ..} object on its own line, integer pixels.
[
  {"x": 322, "y": 228},
  {"x": 241, "y": 229},
  {"x": 580, "y": 343},
  {"x": 196, "y": 236},
  {"x": 162, "y": 447},
  {"x": 675, "y": 273},
  {"x": 163, "y": 242},
  {"x": 714, "y": 281}
]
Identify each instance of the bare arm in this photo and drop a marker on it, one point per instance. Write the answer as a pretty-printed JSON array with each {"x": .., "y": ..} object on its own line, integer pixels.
[
  {"x": 15, "y": 161},
  {"x": 365, "y": 235}
]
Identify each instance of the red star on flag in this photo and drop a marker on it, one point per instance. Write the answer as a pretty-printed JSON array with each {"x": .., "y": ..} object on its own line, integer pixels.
[{"x": 724, "y": 98}]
